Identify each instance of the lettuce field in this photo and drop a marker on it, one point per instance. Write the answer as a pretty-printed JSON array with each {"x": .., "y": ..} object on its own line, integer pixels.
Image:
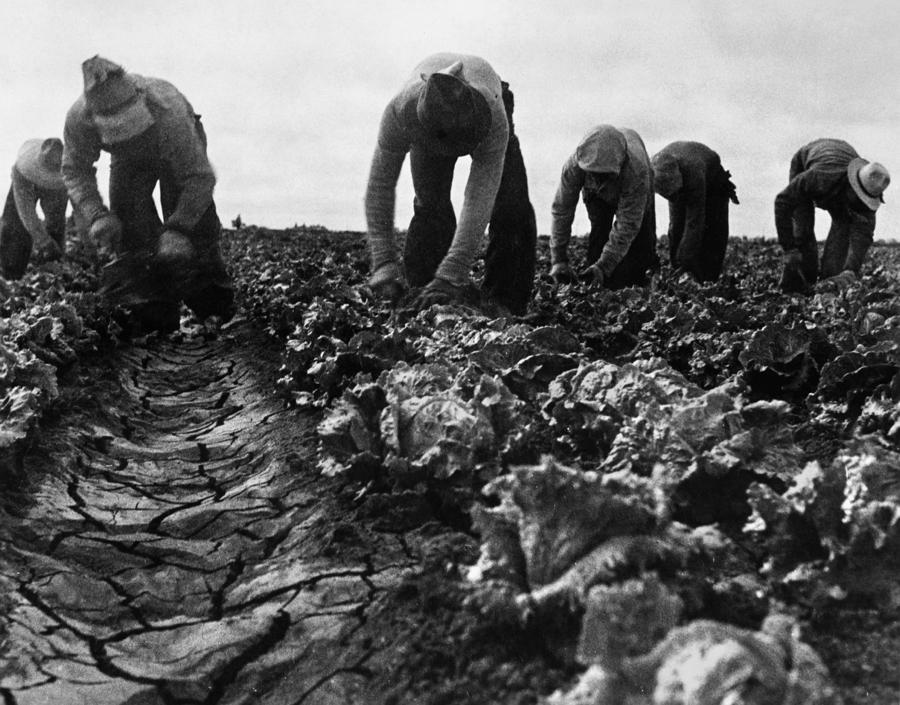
[{"x": 680, "y": 495}]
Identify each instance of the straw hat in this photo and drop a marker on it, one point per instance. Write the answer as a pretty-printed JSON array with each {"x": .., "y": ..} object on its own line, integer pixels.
[
  {"x": 868, "y": 180},
  {"x": 40, "y": 162},
  {"x": 118, "y": 107},
  {"x": 602, "y": 151},
  {"x": 451, "y": 110}
]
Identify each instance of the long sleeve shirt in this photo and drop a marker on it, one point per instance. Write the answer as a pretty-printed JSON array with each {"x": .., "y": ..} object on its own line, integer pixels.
[
  {"x": 400, "y": 130},
  {"x": 818, "y": 179},
  {"x": 178, "y": 144},
  {"x": 635, "y": 195},
  {"x": 28, "y": 178}
]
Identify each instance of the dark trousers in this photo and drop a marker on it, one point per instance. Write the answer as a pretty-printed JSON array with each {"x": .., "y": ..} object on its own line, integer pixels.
[
  {"x": 15, "y": 240},
  {"x": 704, "y": 257},
  {"x": 206, "y": 286},
  {"x": 641, "y": 256},
  {"x": 842, "y": 236},
  {"x": 512, "y": 234},
  {"x": 837, "y": 246}
]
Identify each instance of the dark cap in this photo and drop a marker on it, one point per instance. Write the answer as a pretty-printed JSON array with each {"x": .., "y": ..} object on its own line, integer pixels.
[{"x": 451, "y": 110}]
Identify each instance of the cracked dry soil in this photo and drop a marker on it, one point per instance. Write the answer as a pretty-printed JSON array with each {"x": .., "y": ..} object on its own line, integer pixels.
[{"x": 174, "y": 545}]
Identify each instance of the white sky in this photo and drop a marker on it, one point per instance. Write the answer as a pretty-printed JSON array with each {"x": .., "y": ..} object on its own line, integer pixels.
[{"x": 291, "y": 92}]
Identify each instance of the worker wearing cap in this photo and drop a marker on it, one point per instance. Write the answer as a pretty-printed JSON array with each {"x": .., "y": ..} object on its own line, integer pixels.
[
  {"x": 828, "y": 174},
  {"x": 690, "y": 176},
  {"x": 36, "y": 179},
  {"x": 452, "y": 105},
  {"x": 153, "y": 136},
  {"x": 611, "y": 170}
]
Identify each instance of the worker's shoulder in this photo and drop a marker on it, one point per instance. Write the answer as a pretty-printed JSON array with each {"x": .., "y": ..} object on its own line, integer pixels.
[
  {"x": 163, "y": 94},
  {"x": 688, "y": 148}
]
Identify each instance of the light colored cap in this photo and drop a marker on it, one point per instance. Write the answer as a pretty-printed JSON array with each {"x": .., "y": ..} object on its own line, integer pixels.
[
  {"x": 40, "y": 161},
  {"x": 868, "y": 180},
  {"x": 602, "y": 151},
  {"x": 118, "y": 108}
]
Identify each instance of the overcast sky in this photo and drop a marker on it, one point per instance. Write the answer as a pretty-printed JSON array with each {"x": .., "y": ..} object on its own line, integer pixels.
[{"x": 291, "y": 92}]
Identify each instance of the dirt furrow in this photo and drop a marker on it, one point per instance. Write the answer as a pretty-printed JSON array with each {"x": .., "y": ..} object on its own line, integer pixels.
[{"x": 170, "y": 545}]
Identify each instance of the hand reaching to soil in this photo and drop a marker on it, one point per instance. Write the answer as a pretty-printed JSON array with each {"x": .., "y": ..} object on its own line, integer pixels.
[
  {"x": 439, "y": 291},
  {"x": 49, "y": 251},
  {"x": 592, "y": 275},
  {"x": 106, "y": 232},
  {"x": 387, "y": 283},
  {"x": 562, "y": 273},
  {"x": 839, "y": 282}
]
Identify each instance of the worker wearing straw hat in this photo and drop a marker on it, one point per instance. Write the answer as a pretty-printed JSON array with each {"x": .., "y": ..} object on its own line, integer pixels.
[{"x": 828, "y": 174}]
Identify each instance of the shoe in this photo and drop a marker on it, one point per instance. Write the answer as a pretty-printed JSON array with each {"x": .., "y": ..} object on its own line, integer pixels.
[
  {"x": 159, "y": 316},
  {"x": 214, "y": 300}
]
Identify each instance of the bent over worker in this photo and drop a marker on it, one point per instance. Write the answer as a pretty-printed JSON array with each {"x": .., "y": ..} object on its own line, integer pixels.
[
  {"x": 690, "y": 176},
  {"x": 452, "y": 105},
  {"x": 612, "y": 171},
  {"x": 153, "y": 136},
  {"x": 36, "y": 179},
  {"x": 828, "y": 174}
]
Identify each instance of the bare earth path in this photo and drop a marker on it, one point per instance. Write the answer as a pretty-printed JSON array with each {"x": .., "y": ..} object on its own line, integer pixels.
[{"x": 176, "y": 546}]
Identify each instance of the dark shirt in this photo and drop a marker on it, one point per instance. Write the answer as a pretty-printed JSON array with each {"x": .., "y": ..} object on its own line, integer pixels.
[
  {"x": 818, "y": 179},
  {"x": 701, "y": 171}
]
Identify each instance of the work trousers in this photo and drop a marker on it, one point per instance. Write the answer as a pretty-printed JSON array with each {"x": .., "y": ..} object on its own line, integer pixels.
[
  {"x": 149, "y": 287},
  {"x": 641, "y": 255},
  {"x": 509, "y": 262},
  {"x": 15, "y": 240},
  {"x": 702, "y": 254},
  {"x": 843, "y": 236}
]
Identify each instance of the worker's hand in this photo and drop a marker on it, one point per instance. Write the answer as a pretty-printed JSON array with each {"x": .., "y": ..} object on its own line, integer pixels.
[
  {"x": 562, "y": 273},
  {"x": 106, "y": 232},
  {"x": 592, "y": 275},
  {"x": 387, "y": 283},
  {"x": 49, "y": 250},
  {"x": 841, "y": 281},
  {"x": 439, "y": 292}
]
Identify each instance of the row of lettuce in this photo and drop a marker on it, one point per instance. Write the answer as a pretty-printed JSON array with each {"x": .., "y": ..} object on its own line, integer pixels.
[
  {"x": 49, "y": 320},
  {"x": 615, "y": 451}
]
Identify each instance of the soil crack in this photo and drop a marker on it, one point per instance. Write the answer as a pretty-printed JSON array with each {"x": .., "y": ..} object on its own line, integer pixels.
[{"x": 177, "y": 546}]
